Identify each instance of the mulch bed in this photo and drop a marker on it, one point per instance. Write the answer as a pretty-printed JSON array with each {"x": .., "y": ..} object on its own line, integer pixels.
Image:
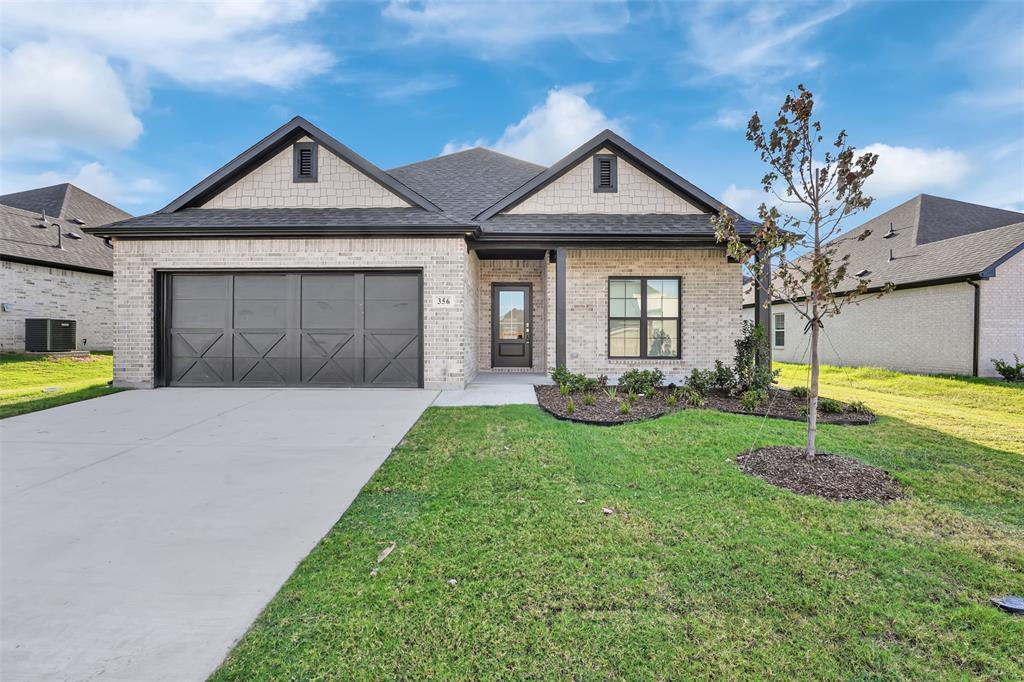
[
  {"x": 603, "y": 412},
  {"x": 832, "y": 477},
  {"x": 784, "y": 406}
]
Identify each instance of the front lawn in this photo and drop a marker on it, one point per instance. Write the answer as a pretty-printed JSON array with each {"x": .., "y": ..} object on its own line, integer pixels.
[
  {"x": 507, "y": 566},
  {"x": 26, "y": 381}
]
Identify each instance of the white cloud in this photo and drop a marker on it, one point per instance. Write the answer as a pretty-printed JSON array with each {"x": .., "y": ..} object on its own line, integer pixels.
[
  {"x": 415, "y": 86},
  {"x": 761, "y": 42},
  {"x": 911, "y": 170},
  {"x": 55, "y": 94},
  {"x": 743, "y": 200},
  {"x": 731, "y": 119},
  {"x": 550, "y": 130},
  {"x": 502, "y": 26},
  {"x": 94, "y": 178}
]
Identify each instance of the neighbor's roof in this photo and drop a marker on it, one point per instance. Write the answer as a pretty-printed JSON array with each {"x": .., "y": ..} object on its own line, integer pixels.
[
  {"x": 933, "y": 239},
  {"x": 463, "y": 192},
  {"x": 68, "y": 202}
]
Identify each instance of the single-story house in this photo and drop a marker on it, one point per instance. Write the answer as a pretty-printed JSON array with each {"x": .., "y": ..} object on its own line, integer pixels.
[
  {"x": 51, "y": 268},
  {"x": 958, "y": 302},
  {"x": 302, "y": 263}
]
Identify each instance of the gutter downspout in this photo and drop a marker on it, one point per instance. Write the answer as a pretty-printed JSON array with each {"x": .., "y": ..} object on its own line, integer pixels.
[{"x": 977, "y": 324}]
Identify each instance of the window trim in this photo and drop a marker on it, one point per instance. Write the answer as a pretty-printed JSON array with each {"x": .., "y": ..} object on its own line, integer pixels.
[
  {"x": 643, "y": 318},
  {"x": 614, "y": 187},
  {"x": 296, "y": 149},
  {"x": 776, "y": 329}
]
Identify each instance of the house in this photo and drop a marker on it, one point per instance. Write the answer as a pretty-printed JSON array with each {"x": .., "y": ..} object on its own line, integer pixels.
[
  {"x": 51, "y": 267},
  {"x": 302, "y": 263},
  {"x": 958, "y": 302}
]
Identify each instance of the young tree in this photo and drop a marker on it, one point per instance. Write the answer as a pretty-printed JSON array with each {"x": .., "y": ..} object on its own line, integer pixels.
[{"x": 817, "y": 194}]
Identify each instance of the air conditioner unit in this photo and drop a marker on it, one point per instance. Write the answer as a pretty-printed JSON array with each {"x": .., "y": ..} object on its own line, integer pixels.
[{"x": 49, "y": 336}]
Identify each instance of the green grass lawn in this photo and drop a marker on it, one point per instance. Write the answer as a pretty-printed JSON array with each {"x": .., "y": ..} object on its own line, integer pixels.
[
  {"x": 25, "y": 378},
  {"x": 701, "y": 572}
]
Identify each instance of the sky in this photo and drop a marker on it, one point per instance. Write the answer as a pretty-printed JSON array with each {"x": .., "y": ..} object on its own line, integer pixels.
[{"x": 138, "y": 102}]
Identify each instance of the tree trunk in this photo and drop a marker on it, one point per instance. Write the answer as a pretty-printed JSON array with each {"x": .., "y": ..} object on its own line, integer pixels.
[{"x": 812, "y": 394}]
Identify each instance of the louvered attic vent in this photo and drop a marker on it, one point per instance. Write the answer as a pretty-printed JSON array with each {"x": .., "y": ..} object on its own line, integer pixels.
[
  {"x": 305, "y": 162},
  {"x": 605, "y": 173}
]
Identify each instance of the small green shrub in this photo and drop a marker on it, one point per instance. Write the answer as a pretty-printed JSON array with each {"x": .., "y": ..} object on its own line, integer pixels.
[
  {"x": 1010, "y": 371},
  {"x": 804, "y": 412},
  {"x": 563, "y": 389},
  {"x": 701, "y": 381},
  {"x": 747, "y": 373},
  {"x": 570, "y": 406},
  {"x": 671, "y": 400},
  {"x": 589, "y": 399},
  {"x": 830, "y": 406},
  {"x": 571, "y": 382},
  {"x": 641, "y": 380},
  {"x": 724, "y": 377},
  {"x": 610, "y": 392},
  {"x": 799, "y": 392},
  {"x": 625, "y": 407},
  {"x": 752, "y": 399},
  {"x": 631, "y": 397},
  {"x": 860, "y": 406},
  {"x": 692, "y": 397}
]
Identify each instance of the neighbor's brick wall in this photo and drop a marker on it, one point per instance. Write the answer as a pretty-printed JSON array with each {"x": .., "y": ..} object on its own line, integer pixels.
[
  {"x": 512, "y": 272},
  {"x": 1002, "y": 315},
  {"x": 338, "y": 185},
  {"x": 35, "y": 291},
  {"x": 574, "y": 193},
  {"x": 443, "y": 261},
  {"x": 928, "y": 330},
  {"x": 710, "y": 303}
]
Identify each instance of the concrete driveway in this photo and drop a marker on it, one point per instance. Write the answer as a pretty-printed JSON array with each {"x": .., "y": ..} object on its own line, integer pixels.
[{"x": 143, "y": 532}]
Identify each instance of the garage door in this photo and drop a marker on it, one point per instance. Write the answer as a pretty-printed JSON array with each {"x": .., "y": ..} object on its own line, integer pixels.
[{"x": 292, "y": 329}]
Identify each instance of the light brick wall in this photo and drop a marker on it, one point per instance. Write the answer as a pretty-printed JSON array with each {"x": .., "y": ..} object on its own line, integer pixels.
[
  {"x": 928, "y": 330},
  {"x": 710, "y": 303},
  {"x": 338, "y": 185},
  {"x": 574, "y": 193},
  {"x": 472, "y": 298},
  {"x": 35, "y": 291},
  {"x": 443, "y": 261},
  {"x": 512, "y": 272},
  {"x": 1002, "y": 315}
]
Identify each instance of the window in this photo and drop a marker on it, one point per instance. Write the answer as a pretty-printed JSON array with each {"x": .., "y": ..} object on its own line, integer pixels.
[
  {"x": 780, "y": 329},
  {"x": 643, "y": 317},
  {"x": 304, "y": 154},
  {"x": 606, "y": 176}
]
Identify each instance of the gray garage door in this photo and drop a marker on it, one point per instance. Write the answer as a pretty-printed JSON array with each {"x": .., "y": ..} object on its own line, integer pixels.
[{"x": 292, "y": 329}]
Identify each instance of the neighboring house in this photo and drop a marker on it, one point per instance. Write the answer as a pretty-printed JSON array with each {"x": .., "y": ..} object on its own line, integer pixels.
[
  {"x": 300, "y": 262},
  {"x": 50, "y": 267},
  {"x": 958, "y": 302}
]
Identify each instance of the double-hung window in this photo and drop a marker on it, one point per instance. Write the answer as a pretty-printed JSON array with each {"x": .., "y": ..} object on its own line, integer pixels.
[
  {"x": 643, "y": 317},
  {"x": 780, "y": 330}
]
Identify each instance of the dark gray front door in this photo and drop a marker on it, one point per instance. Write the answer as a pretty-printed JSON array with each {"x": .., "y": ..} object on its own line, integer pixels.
[
  {"x": 293, "y": 329},
  {"x": 510, "y": 326}
]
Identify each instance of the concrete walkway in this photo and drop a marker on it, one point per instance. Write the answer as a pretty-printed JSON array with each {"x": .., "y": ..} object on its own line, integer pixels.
[
  {"x": 142, "y": 533},
  {"x": 495, "y": 389}
]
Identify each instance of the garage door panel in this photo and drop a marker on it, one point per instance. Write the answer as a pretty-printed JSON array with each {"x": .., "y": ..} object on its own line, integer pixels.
[{"x": 285, "y": 329}]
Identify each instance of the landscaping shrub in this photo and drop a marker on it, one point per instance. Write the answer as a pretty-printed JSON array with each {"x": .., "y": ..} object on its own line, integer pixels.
[
  {"x": 571, "y": 382},
  {"x": 830, "y": 406},
  {"x": 860, "y": 406},
  {"x": 747, "y": 373},
  {"x": 799, "y": 392},
  {"x": 671, "y": 400},
  {"x": 725, "y": 378},
  {"x": 625, "y": 407},
  {"x": 631, "y": 397},
  {"x": 589, "y": 399},
  {"x": 570, "y": 406},
  {"x": 752, "y": 399},
  {"x": 641, "y": 380},
  {"x": 1010, "y": 371},
  {"x": 701, "y": 381},
  {"x": 692, "y": 396},
  {"x": 611, "y": 391}
]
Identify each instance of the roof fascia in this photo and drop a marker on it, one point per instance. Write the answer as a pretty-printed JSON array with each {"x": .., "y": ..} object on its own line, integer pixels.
[
  {"x": 296, "y": 231},
  {"x": 289, "y": 132},
  {"x": 55, "y": 264}
]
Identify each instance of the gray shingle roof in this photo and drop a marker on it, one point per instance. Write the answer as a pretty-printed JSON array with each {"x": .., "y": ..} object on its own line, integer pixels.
[
  {"x": 606, "y": 224},
  {"x": 465, "y": 183},
  {"x": 22, "y": 239},
  {"x": 934, "y": 239},
  {"x": 66, "y": 201}
]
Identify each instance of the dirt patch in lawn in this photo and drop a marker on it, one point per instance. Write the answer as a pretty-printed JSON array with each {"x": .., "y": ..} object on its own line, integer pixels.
[
  {"x": 606, "y": 410},
  {"x": 782, "y": 405},
  {"x": 832, "y": 477}
]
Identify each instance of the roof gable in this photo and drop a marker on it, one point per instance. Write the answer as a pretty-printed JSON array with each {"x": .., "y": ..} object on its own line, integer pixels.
[
  {"x": 270, "y": 152},
  {"x": 66, "y": 201},
  {"x": 940, "y": 218},
  {"x": 608, "y": 141}
]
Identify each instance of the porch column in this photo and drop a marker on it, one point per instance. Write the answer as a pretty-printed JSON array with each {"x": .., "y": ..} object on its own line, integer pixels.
[
  {"x": 559, "y": 307},
  {"x": 763, "y": 305}
]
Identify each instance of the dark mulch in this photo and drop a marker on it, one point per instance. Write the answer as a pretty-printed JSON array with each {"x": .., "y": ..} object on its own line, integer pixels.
[
  {"x": 605, "y": 410},
  {"x": 833, "y": 477},
  {"x": 783, "y": 405}
]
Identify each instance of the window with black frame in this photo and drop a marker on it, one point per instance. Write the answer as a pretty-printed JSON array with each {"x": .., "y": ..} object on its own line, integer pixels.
[{"x": 643, "y": 317}]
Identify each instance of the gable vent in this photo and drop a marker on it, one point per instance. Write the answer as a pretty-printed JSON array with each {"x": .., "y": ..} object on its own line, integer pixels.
[
  {"x": 305, "y": 162},
  {"x": 605, "y": 173}
]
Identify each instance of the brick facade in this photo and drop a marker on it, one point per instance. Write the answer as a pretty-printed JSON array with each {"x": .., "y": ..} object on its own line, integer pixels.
[
  {"x": 574, "y": 193},
  {"x": 338, "y": 185},
  {"x": 444, "y": 262},
  {"x": 1002, "y": 315},
  {"x": 34, "y": 291}
]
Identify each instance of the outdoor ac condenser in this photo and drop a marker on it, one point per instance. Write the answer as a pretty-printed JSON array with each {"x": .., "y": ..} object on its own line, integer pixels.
[{"x": 49, "y": 336}]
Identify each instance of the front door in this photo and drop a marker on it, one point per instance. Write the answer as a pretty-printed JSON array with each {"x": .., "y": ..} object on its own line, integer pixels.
[{"x": 510, "y": 326}]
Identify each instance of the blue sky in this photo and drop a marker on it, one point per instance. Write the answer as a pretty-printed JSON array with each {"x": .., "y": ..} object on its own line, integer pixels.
[{"x": 137, "y": 102}]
